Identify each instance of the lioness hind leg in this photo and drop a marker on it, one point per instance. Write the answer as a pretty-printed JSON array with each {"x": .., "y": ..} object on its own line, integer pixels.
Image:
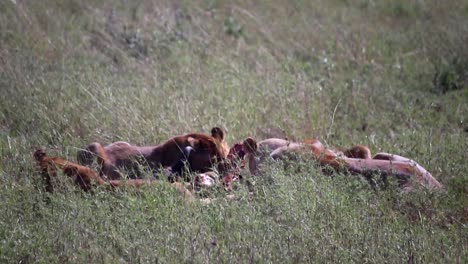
[
  {"x": 95, "y": 151},
  {"x": 88, "y": 155}
]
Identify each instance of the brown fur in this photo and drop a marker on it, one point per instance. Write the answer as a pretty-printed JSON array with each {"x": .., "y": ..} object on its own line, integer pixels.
[
  {"x": 405, "y": 170},
  {"x": 358, "y": 152},
  {"x": 388, "y": 156},
  {"x": 85, "y": 178},
  {"x": 82, "y": 176},
  {"x": 280, "y": 148},
  {"x": 274, "y": 147},
  {"x": 206, "y": 153},
  {"x": 251, "y": 152},
  {"x": 218, "y": 134},
  {"x": 250, "y": 146},
  {"x": 271, "y": 144},
  {"x": 235, "y": 158}
]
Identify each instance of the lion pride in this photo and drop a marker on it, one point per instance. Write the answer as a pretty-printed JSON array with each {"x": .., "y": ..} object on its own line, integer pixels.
[
  {"x": 86, "y": 178},
  {"x": 355, "y": 160},
  {"x": 201, "y": 152}
]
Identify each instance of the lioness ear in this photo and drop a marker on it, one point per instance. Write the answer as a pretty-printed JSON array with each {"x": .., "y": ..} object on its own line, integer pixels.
[
  {"x": 250, "y": 145},
  {"x": 217, "y": 133},
  {"x": 39, "y": 154}
]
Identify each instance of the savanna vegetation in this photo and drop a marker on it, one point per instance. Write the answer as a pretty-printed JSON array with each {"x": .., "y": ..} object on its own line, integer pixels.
[{"x": 390, "y": 74}]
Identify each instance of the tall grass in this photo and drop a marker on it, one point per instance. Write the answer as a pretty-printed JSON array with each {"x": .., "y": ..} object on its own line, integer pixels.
[{"x": 388, "y": 74}]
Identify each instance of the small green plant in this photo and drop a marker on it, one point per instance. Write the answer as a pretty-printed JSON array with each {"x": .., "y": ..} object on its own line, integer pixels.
[
  {"x": 451, "y": 76},
  {"x": 233, "y": 28}
]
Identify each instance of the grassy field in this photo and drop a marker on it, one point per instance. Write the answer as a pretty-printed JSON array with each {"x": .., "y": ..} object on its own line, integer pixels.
[{"x": 390, "y": 74}]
